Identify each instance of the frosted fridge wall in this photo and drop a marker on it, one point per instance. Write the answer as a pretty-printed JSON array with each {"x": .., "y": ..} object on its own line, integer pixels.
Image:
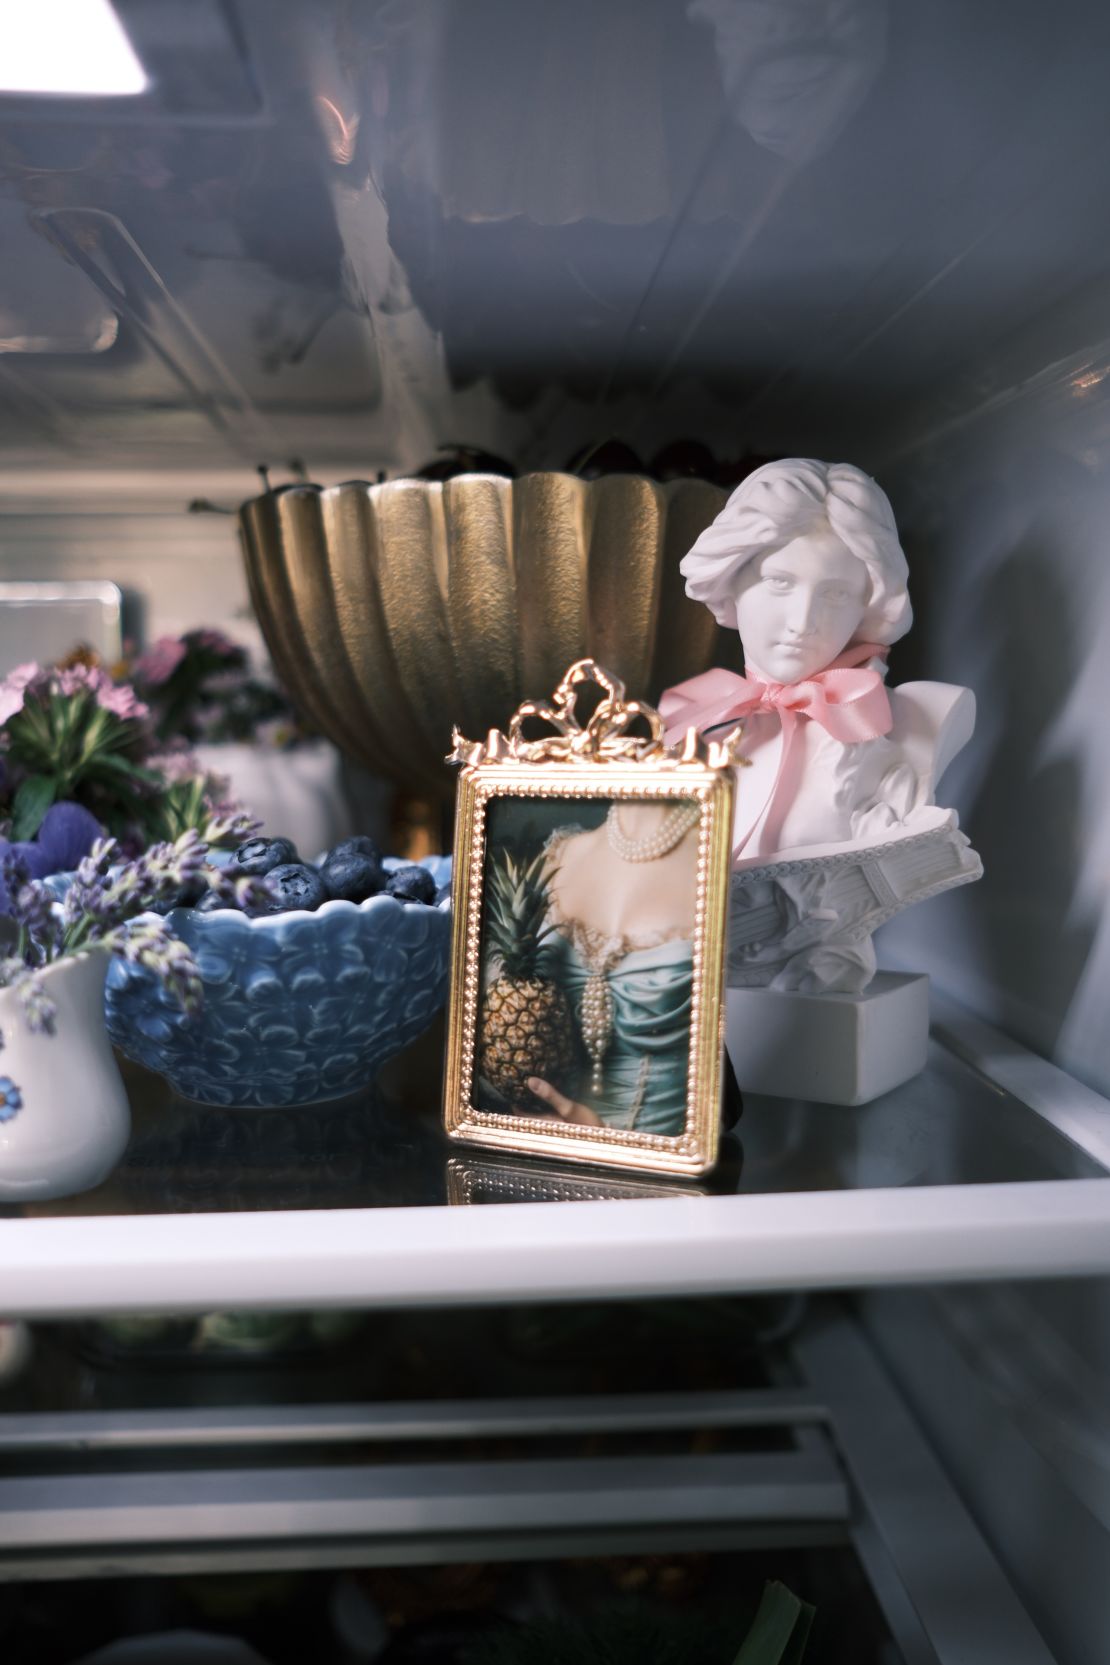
[{"x": 1008, "y": 521}]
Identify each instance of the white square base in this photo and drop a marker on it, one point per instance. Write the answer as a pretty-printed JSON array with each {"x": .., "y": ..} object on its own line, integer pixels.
[{"x": 835, "y": 1048}]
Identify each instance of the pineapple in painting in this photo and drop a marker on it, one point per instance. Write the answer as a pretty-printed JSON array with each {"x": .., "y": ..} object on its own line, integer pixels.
[{"x": 527, "y": 1026}]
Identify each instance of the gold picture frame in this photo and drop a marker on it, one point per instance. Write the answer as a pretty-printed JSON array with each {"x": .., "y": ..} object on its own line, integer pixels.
[{"x": 594, "y": 767}]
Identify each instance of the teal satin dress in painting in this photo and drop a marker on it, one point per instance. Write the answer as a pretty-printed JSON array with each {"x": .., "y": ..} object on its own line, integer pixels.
[{"x": 644, "y": 1071}]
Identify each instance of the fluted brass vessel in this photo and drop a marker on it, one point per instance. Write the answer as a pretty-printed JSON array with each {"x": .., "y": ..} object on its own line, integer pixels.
[{"x": 394, "y": 612}]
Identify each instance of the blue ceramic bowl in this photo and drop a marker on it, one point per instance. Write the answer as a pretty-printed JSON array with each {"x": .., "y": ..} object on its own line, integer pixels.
[{"x": 298, "y": 1007}]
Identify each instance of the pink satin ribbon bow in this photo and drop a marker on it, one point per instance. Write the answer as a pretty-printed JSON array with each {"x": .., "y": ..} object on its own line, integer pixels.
[{"x": 850, "y": 703}]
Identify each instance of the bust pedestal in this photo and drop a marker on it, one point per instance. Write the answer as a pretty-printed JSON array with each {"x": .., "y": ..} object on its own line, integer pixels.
[
  {"x": 808, "y": 1017},
  {"x": 836, "y": 1048}
]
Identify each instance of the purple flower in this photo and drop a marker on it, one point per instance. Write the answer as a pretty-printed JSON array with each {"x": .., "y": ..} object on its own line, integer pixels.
[
  {"x": 122, "y": 701},
  {"x": 246, "y": 893},
  {"x": 26, "y": 857},
  {"x": 102, "y": 897},
  {"x": 19, "y": 864},
  {"x": 67, "y": 834},
  {"x": 14, "y": 687},
  {"x": 11, "y": 702},
  {"x": 224, "y": 685},
  {"x": 175, "y": 763},
  {"x": 76, "y": 679},
  {"x": 160, "y": 661},
  {"x": 103, "y": 908},
  {"x": 229, "y": 824},
  {"x": 215, "y": 642},
  {"x": 32, "y": 908},
  {"x": 162, "y": 871},
  {"x": 86, "y": 903},
  {"x": 39, "y": 1010}
]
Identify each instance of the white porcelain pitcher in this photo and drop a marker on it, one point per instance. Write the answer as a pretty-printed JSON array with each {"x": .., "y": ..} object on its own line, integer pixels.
[{"x": 64, "y": 1115}]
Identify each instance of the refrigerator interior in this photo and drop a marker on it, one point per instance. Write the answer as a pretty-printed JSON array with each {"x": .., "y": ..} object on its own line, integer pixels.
[{"x": 344, "y": 234}]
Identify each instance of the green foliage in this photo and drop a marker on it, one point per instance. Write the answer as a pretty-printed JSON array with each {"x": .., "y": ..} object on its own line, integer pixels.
[
  {"x": 780, "y": 1631},
  {"x": 181, "y": 805},
  {"x": 190, "y": 805},
  {"x": 30, "y": 804}
]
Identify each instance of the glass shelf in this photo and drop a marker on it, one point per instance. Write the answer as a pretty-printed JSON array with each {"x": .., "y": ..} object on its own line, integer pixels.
[{"x": 949, "y": 1126}]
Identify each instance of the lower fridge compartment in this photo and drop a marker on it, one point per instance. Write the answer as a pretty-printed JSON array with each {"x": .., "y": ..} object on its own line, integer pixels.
[
  {"x": 805, "y": 1448},
  {"x": 669, "y": 1608}
]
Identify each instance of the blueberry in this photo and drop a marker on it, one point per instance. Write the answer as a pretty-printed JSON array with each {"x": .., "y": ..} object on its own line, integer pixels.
[
  {"x": 261, "y": 855},
  {"x": 351, "y": 877},
  {"x": 360, "y": 845},
  {"x": 187, "y": 896},
  {"x": 411, "y": 883},
  {"x": 294, "y": 885},
  {"x": 210, "y": 901},
  {"x": 443, "y": 894}
]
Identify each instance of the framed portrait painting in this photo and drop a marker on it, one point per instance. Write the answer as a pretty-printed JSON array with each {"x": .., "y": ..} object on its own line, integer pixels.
[{"x": 591, "y": 882}]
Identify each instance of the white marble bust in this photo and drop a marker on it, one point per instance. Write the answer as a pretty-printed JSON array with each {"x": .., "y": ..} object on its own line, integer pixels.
[{"x": 836, "y": 821}]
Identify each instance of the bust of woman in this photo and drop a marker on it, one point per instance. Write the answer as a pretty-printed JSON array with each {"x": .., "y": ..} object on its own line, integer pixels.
[{"x": 804, "y": 561}]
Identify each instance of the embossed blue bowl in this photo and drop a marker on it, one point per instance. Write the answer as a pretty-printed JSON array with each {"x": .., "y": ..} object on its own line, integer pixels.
[{"x": 298, "y": 1007}]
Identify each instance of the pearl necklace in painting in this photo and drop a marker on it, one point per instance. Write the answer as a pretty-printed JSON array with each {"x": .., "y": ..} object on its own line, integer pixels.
[
  {"x": 672, "y": 830},
  {"x": 596, "y": 1009}
]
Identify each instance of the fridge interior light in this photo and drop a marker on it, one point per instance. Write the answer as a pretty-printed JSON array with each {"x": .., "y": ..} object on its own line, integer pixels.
[{"x": 74, "y": 47}]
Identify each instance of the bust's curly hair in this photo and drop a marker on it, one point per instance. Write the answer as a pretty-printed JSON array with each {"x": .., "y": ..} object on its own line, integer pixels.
[{"x": 784, "y": 500}]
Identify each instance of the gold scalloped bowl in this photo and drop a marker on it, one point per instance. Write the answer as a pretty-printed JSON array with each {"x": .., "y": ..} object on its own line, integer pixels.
[{"x": 394, "y": 611}]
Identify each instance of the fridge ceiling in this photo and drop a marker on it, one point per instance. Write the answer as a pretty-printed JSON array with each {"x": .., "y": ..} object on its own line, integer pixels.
[{"x": 349, "y": 230}]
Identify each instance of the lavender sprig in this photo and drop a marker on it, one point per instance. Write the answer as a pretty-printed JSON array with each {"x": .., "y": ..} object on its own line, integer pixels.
[
  {"x": 246, "y": 891},
  {"x": 86, "y": 904},
  {"x": 102, "y": 909},
  {"x": 36, "y": 914},
  {"x": 38, "y": 1008},
  {"x": 31, "y": 906},
  {"x": 16, "y": 878},
  {"x": 14, "y": 870},
  {"x": 162, "y": 871},
  {"x": 229, "y": 825},
  {"x": 101, "y": 897},
  {"x": 148, "y": 942}
]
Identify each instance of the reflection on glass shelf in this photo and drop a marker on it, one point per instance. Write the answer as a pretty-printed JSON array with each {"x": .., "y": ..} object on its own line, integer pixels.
[
  {"x": 718, "y": 1344},
  {"x": 493, "y": 1178},
  {"x": 950, "y": 1126}
]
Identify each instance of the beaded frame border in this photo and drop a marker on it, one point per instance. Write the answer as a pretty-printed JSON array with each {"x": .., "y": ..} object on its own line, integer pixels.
[
  {"x": 694, "y": 1150},
  {"x": 474, "y": 1180}
]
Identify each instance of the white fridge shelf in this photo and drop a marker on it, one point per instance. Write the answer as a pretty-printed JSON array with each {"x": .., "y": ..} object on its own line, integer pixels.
[{"x": 991, "y": 1165}]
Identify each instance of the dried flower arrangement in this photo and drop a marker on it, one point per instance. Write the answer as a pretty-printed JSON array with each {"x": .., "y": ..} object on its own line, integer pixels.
[
  {"x": 200, "y": 687},
  {"x": 80, "y": 759}
]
